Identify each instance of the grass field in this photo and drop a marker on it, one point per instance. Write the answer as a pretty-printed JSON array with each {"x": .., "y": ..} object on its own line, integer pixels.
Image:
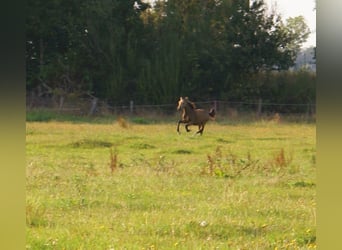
[{"x": 122, "y": 185}]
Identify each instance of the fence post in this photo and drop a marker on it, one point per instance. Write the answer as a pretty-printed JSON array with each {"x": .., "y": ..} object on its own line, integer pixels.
[
  {"x": 93, "y": 106},
  {"x": 308, "y": 111},
  {"x": 259, "y": 108},
  {"x": 61, "y": 102},
  {"x": 131, "y": 106},
  {"x": 215, "y": 105}
]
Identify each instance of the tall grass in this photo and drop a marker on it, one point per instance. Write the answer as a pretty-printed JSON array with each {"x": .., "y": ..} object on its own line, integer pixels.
[{"x": 107, "y": 186}]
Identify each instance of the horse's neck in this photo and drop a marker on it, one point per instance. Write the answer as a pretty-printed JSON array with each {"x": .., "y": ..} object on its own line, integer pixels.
[{"x": 189, "y": 111}]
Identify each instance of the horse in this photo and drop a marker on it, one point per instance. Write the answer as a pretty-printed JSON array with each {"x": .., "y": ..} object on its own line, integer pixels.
[{"x": 193, "y": 116}]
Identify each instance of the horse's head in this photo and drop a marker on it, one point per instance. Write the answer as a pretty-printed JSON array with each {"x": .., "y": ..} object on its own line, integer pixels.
[
  {"x": 184, "y": 102},
  {"x": 181, "y": 103}
]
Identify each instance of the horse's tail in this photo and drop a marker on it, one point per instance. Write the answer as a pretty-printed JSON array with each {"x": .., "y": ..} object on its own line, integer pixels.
[{"x": 212, "y": 113}]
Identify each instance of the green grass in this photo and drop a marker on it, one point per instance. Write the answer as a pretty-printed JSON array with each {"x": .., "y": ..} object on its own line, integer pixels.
[{"x": 143, "y": 186}]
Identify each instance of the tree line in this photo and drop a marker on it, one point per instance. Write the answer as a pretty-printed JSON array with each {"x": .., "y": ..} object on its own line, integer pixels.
[{"x": 121, "y": 50}]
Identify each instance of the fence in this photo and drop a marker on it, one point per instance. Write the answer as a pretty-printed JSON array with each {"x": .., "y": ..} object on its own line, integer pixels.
[{"x": 94, "y": 106}]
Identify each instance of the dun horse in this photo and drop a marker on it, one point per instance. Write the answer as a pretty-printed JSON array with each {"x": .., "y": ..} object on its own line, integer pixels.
[{"x": 193, "y": 116}]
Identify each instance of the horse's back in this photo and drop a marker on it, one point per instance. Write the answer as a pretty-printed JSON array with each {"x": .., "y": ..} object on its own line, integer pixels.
[{"x": 202, "y": 115}]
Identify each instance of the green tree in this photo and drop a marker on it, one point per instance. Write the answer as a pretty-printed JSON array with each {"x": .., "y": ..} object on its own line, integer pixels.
[
  {"x": 85, "y": 47},
  {"x": 295, "y": 32},
  {"x": 121, "y": 50},
  {"x": 259, "y": 43}
]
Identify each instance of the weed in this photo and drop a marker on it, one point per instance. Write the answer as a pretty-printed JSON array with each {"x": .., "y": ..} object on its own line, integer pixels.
[
  {"x": 229, "y": 166},
  {"x": 163, "y": 165},
  {"x": 214, "y": 166},
  {"x": 89, "y": 143},
  {"x": 304, "y": 184},
  {"x": 279, "y": 159},
  {"x": 123, "y": 123},
  {"x": 276, "y": 118},
  {"x": 142, "y": 146},
  {"x": 113, "y": 164},
  {"x": 280, "y": 162},
  {"x": 35, "y": 213},
  {"x": 182, "y": 151}
]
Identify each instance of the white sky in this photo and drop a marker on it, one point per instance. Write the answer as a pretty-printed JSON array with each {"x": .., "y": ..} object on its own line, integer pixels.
[{"x": 293, "y": 8}]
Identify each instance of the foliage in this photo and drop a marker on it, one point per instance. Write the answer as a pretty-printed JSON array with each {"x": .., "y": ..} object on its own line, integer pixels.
[
  {"x": 121, "y": 50},
  {"x": 288, "y": 88}
]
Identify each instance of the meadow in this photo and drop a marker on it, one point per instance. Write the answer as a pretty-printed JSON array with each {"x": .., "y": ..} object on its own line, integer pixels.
[{"x": 123, "y": 184}]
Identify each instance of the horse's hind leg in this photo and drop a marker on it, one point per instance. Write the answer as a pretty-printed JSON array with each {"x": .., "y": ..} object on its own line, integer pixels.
[
  {"x": 200, "y": 129},
  {"x": 186, "y": 127}
]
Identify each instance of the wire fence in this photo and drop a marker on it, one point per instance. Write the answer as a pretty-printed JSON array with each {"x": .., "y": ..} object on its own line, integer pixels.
[{"x": 94, "y": 106}]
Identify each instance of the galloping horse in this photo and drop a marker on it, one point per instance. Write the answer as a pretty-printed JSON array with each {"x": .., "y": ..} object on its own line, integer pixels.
[{"x": 193, "y": 116}]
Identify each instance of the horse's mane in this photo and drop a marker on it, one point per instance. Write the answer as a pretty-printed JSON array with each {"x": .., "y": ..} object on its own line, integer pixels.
[{"x": 192, "y": 104}]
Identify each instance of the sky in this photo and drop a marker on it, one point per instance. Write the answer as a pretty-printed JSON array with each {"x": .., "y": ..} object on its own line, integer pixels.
[{"x": 293, "y": 8}]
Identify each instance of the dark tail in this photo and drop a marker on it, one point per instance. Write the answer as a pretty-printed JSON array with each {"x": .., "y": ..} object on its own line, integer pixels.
[{"x": 212, "y": 112}]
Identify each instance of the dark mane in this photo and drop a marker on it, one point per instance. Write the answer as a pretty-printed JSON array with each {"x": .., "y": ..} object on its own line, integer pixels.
[{"x": 192, "y": 104}]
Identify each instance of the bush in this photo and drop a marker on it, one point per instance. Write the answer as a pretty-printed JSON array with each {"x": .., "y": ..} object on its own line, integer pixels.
[{"x": 40, "y": 116}]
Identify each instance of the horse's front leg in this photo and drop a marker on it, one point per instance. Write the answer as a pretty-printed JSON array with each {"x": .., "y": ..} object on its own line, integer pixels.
[
  {"x": 186, "y": 127},
  {"x": 182, "y": 121},
  {"x": 179, "y": 122}
]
